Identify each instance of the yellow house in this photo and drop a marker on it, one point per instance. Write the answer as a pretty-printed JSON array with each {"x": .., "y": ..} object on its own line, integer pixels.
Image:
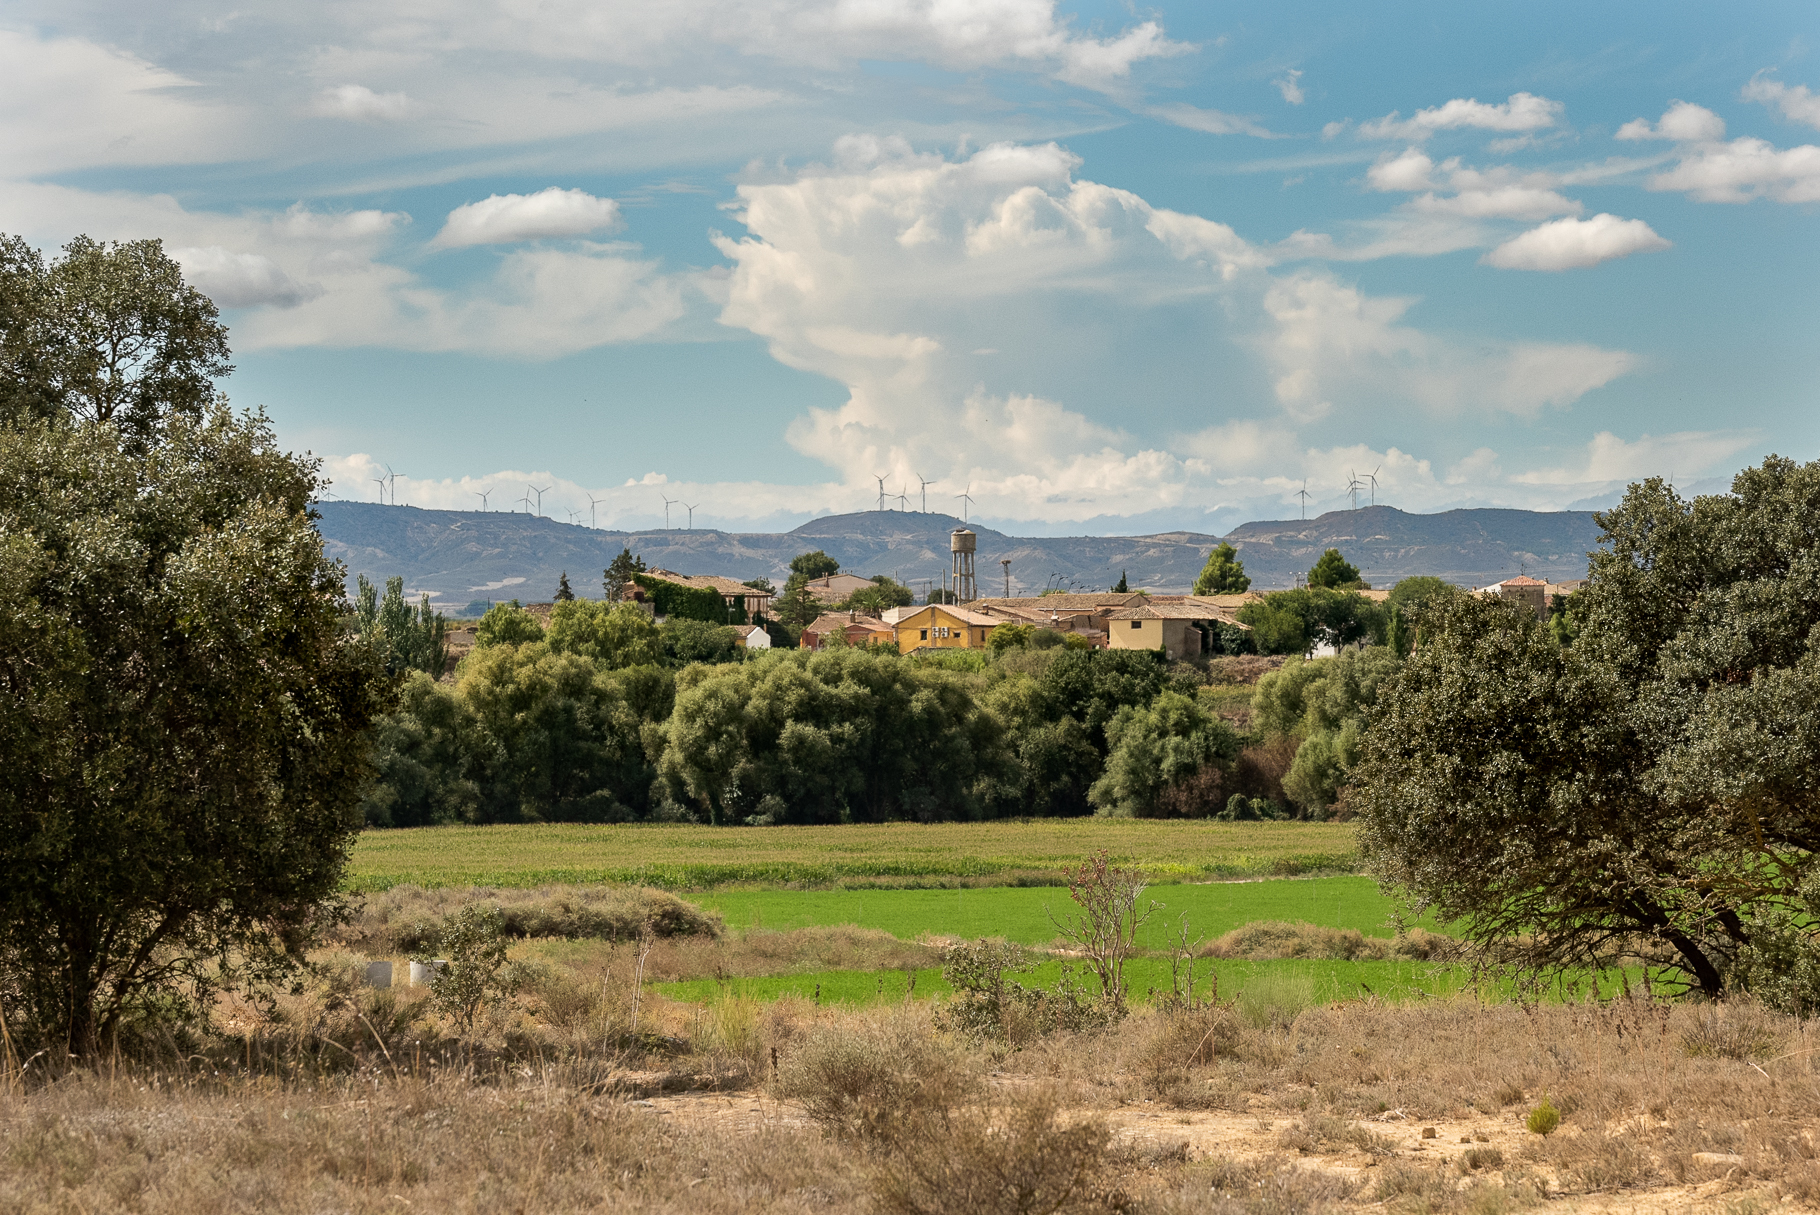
[
  {"x": 1169, "y": 624},
  {"x": 943, "y": 626}
]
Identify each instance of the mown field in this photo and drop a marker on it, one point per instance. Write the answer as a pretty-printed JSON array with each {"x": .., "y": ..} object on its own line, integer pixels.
[{"x": 1001, "y": 853}]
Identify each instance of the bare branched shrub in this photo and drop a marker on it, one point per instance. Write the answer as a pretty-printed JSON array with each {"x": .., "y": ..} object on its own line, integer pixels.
[
  {"x": 989, "y": 1003},
  {"x": 874, "y": 1077},
  {"x": 1106, "y": 920},
  {"x": 1022, "y": 1158},
  {"x": 1269, "y": 1185},
  {"x": 1735, "y": 1029}
]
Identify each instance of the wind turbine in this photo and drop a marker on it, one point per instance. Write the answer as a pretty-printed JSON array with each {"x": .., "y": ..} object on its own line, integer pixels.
[
  {"x": 1302, "y": 493},
  {"x": 903, "y": 499},
  {"x": 540, "y": 493},
  {"x": 1352, "y": 487},
  {"x": 380, "y": 481},
  {"x": 925, "y": 481},
  {"x": 482, "y": 495},
  {"x": 668, "y": 502},
  {"x": 966, "y": 497},
  {"x": 527, "y": 501},
  {"x": 881, "y": 490},
  {"x": 592, "y": 503},
  {"x": 691, "y": 514},
  {"x": 1372, "y": 476}
]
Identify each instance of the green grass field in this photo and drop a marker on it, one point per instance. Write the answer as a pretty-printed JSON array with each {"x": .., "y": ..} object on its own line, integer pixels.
[
  {"x": 1008, "y": 853},
  {"x": 1320, "y": 982},
  {"x": 1021, "y": 914}
]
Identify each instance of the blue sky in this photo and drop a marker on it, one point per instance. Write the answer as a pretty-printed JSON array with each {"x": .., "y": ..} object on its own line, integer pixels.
[{"x": 1108, "y": 268}]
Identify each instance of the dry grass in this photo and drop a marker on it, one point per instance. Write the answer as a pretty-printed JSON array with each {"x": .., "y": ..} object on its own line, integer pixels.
[
  {"x": 356, "y": 1100},
  {"x": 407, "y": 919},
  {"x": 1264, "y": 939}
]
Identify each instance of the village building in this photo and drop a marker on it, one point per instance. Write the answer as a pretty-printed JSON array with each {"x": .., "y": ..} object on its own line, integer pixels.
[
  {"x": 1531, "y": 593},
  {"x": 836, "y": 587},
  {"x": 751, "y": 637},
  {"x": 945, "y": 626},
  {"x": 858, "y": 629},
  {"x": 737, "y": 594},
  {"x": 1171, "y": 623}
]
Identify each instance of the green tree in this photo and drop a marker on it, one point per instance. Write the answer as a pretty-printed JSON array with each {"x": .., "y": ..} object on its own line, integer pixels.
[
  {"x": 836, "y": 736},
  {"x": 686, "y": 641},
  {"x": 184, "y": 720},
  {"x": 617, "y": 579},
  {"x": 1122, "y": 588},
  {"x": 814, "y": 565},
  {"x": 885, "y": 592},
  {"x": 506, "y": 624},
  {"x": 796, "y": 607},
  {"x": 406, "y": 638},
  {"x": 1323, "y": 704},
  {"x": 1159, "y": 747},
  {"x": 563, "y": 593},
  {"x": 1224, "y": 573},
  {"x": 429, "y": 760},
  {"x": 611, "y": 635},
  {"x": 1646, "y": 790},
  {"x": 106, "y": 333},
  {"x": 1278, "y": 625},
  {"x": 1010, "y": 637},
  {"x": 1334, "y": 572}
]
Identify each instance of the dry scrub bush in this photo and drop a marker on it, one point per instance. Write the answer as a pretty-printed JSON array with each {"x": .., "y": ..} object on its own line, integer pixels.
[
  {"x": 760, "y": 951},
  {"x": 869, "y": 1076},
  {"x": 409, "y": 919},
  {"x": 989, "y": 1003},
  {"x": 1267, "y": 939},
  {"x": 1267, "y": 1185}
]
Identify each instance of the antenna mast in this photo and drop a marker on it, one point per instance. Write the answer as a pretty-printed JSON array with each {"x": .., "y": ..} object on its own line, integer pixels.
[{"x": 1006, "y": 563}]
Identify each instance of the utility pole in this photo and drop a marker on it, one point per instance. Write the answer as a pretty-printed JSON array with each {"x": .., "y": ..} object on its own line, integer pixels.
[{"x": 1006, "y": 562}]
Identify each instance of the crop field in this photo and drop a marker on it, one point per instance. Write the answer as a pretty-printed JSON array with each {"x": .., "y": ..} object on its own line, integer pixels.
[
  {"x": 1022, "y": 914},
  {"x": 1004, "y": 853},
  {"x": 1301, "y": 982}
]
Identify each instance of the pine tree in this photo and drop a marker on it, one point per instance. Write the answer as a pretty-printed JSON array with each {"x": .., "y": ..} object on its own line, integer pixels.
[
  {"x": 1224, "y": 573},
  {"x": 563, "y": 593},
  {"x": 618, "y": 576},
  {"x": 1122, "y": 588}
]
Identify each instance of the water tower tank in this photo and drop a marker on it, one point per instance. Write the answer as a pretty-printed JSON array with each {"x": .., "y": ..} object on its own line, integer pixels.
[{"x": 963, "y": 541}]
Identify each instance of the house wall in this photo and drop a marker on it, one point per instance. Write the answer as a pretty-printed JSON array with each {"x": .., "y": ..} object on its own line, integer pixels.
[
  {"x": 935, "y": 629},
  {"x": 1146, "y": 635}
]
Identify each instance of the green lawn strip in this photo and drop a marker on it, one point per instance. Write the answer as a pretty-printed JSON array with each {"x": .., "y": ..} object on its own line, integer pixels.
[
  {"x": 1319, "y": 981},
  {"x": 1021, "y": 914},
  {"x": 683, "y": 857}
]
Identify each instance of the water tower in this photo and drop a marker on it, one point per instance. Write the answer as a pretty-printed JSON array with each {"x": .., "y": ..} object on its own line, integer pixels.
[{"x": 962, "y": 543}]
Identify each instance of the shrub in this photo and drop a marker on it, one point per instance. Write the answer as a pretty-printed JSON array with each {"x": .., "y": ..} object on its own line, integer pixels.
[
  {"x": 409, "y": 920},
  {"x": 990, "y": 1004},
  {"x": 1543, "y": 1119},
  {"x": 477, "y": 973},
  {"x": 875, "y": 1078}
]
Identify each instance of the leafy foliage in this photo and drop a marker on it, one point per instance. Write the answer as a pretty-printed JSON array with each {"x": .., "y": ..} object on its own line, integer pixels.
[
  {"x": 406, "y": 639},
  {"x": 611, "y": 635},
  {"x": 1648, "y": 787},
  {"x": 616, "y": 579},
  {"x": 506, "y": 624},
  {"x": 183, "y": 718},
  {"x": 1224, "y": 573},
  {"x": 687, "y": 602},
  {"x": 1334, "y": 572},
  {"x": 1156, "y": 749},
  {"x": 686, "y": 641},
  {"x": 106, "y": 333}
]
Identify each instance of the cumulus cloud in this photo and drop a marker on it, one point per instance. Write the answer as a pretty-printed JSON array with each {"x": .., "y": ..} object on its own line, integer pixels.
[
  {"x": 1333, "y": 344},
  {"x": 1683, "y": 122},
  {"x": 1796, "y": 102},
  {"x": 502, "y": 219},
  {"x": 361, "y": 104},
  {"x": 1569, "y": 244},
  {"x": 1289, "y": 85},
  {"x": 1408, "y": 171},
  {"x": 1609, "y": 458},
  {"x": 241, "y": 280},
  {"x": 1522, "y": 112},
  {"x": 1745, "y": 169}
]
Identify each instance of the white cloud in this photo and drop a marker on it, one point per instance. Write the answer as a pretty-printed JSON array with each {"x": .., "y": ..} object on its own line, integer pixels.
[
  {"x": 1211, "y": 122},
  {"x": 502, "y": 219},
  {"x": 241, "y": 280},
  {"x": 1500, "y": 202},
  {"x": 1289, "y": 85},
  {"x": 1796, "y": 102},
  {"x": 1745, "y": 169},
  {"x": 67, "y": 103},
  {"x": 1335, "y": 347},
  {"x": 361, "y": 104},
  {"x": 1522, "y": 112},
  {"x": 1683, "y": 122},
  {"x": 1611, "y": 459},
  {"x": 1568, "y": 244},
  {"x": 1408, "y": 171}
]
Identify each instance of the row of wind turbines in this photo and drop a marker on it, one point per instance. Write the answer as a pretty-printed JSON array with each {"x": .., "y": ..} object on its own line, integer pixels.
[
  {"x": 1354, "y": 485},
  {"x": 902, "y": 496}
]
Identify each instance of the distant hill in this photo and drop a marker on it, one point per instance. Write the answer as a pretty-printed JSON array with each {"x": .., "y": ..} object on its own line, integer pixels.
[{"x": 461, "y": 556}]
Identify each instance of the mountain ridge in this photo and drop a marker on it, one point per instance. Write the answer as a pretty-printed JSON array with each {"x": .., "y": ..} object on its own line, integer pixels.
[{"x": 461, "y": 556}]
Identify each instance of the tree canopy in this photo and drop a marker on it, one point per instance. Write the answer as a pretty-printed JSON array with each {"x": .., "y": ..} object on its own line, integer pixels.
[
  {"x": 1649, "y": 786},
  {"x": 183, "y": 716},
  {"x": 105, "y": 333},
  {"x": 406, "y": 638},
  {"x": 1334, "y": 572},
  {"x": 1224, "y": 573}
]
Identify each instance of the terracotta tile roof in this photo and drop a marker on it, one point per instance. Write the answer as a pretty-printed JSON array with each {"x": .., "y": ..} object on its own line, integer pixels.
[
  {"x": 1062, "y": 603},
  {"x": 963, "y": 614},
  {"x": 1180, "y": 610}
]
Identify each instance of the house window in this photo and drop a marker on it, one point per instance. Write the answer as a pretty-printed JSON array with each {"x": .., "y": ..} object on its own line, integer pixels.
[
  {"x": 1137, "y": 624},
  {"x": 925, "y": 635}
]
